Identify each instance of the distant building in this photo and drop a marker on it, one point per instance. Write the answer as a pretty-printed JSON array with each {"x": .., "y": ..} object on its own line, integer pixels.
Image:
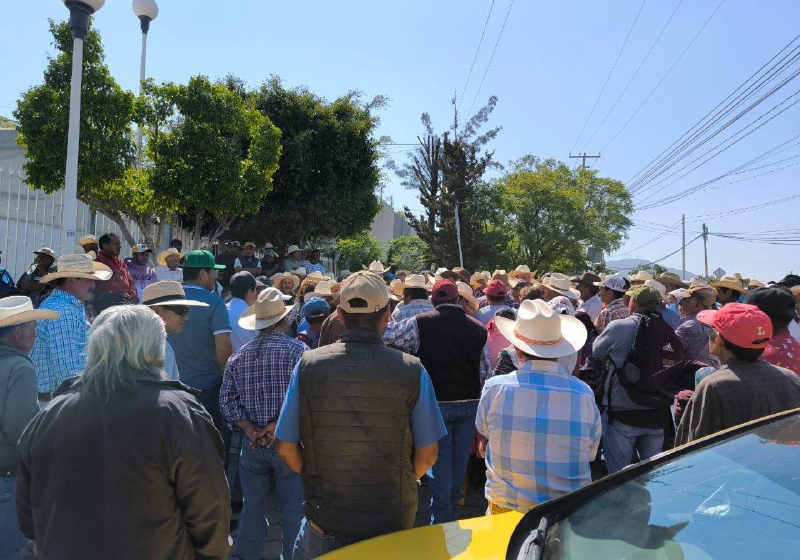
[{"x": 389, "y": 225}]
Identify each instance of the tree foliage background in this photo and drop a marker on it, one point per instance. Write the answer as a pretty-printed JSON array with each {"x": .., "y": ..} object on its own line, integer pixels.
[
  {"x": 360, "y": 249},
  {"x": 408, "y": 252}
]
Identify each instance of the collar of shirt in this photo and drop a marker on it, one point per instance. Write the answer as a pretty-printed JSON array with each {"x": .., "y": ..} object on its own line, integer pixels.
[
  {"x": 65, "y": 297},
  {"x": 540, "y": 366},
  {"x": 616, "y": 304}
]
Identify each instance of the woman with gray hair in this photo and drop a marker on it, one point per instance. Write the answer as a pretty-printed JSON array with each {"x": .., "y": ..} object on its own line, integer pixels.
[{"x": 123, "y": 463}]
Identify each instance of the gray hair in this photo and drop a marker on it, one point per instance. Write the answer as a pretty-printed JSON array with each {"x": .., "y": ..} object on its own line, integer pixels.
[
  {"x": 124, "y": 340},
  {"x": 6, "y": 331}
]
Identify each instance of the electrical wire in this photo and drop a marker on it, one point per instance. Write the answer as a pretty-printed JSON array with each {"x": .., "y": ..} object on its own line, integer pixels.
[
  {"x": 475, "y": 58},
  {"x": 613, "y": 67},
  {"x": 675, "y": 251}
]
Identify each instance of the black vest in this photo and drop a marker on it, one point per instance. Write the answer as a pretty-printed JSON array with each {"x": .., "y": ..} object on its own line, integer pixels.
[
  {"x": 249, "y": 262},
  {"x": 450, "y": 347},
  {"x": 356, "y": 399}
]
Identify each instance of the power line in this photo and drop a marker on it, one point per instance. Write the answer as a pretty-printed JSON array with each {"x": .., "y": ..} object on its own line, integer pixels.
[
  {"x": 664, "y": 77},
  {"x": 613, "y": 67},
  {"x": 475, "y": 58},
  {"x": 636, "y": 73},
  {"x": 648, "y": 242},
  {"x": 491, "y": 58},
  {"x": 676, "y": 250}
]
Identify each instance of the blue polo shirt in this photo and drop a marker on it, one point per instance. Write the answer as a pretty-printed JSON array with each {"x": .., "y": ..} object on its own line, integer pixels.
[{"x": 194, "y": 346}]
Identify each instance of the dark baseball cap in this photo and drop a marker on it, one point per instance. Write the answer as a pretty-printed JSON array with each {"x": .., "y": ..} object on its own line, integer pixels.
[
  {"x": 776, "y": 301},
  {"x": 444, "y": 291}
]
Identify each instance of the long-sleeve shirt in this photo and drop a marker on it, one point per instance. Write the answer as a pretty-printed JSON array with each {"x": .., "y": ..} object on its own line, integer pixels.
[
  {"x": 256, "y": 378},
  {"x": 60, "y": 348},
  {"x": 614, "y": 310},
  {"x": 121, "y": 280},
  {"x": 405, "y": 311}
]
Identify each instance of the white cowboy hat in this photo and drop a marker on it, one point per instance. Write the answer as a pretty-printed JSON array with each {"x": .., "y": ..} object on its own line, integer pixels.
[
  {"x": 317, "y": 275},
  {"x": 15, "y": 310},
  {"x": 267, "y": 310},
  {"x": 376, "y": 267},
  {"x": 168, "y": 293},
  {"x": 77, "y": 266},
  {"x": 276, "y": 279},
  {"x": 561, "y": 283},
  {"x": 521, "y": 269},
  {"x": 323, "y": 289},
  {"x": 416, "y": 281},
  {"x": 465, "y": 291},
  {"x": 661, "y": 288},
  {"x": 396, "y": 287},
  {"x": 641, "y": 277},
  {"x": 540, "y": 331},
  {"x": 162, "y": 256},
  {"x": 292, "y": 248}
]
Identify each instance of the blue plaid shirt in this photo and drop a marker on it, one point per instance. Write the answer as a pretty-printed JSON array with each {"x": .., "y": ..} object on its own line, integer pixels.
[
  {"x": 543, "y": 429},
  {"x": 60, "y": 348},
  {"x": 405, "y": 311},
  {"x": 256, "y": 378}
]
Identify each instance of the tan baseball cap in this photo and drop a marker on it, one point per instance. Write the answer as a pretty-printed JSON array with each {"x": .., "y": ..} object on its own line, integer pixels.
[{"x": 363, "y": 292}]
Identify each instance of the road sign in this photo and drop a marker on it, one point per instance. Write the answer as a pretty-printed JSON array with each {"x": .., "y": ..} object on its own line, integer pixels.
[{"x": 719, "y": 273}]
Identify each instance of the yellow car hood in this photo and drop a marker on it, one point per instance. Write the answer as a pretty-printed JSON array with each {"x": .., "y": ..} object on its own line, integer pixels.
[{"x": 484, "y": 538}]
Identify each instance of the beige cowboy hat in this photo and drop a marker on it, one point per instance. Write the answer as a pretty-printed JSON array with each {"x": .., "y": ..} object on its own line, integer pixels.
[
  {"x": 480, "y": 277},
  {"x": 323, "y": 289},
  {"x": 519, "y": 271},
  {"x": 77, "y": 266},
  {"x": 87, "y": 240},
  {"x": 162, "y": 256},
  {"x": 501, "y": 274},
  {"x": 672, "y": 279},
  {"x": 376, "y": 267},
  {"x": 317, "y": 275},
  {"x": 168, "y": 293},
  {"x": 641, "y": 277},
  {"x": 267, "y": 310},
  {"x": 755, "y": 284},
  {"x": 396, "y": 287},
  {"x": 660, "y": 288},
  {"x": 540, "y": 331},
  {"x": 465, "y": 291},
  {"x": 730, "y": 282},
  {"x": 15, "y": 310},
  {"x": 276, "y": 279},
  {"x": 292, "y": 248},
  {"x": 45, "y": 251},
  {"x": 416, "y": 281},
  {"x": 562, "y": 284}
]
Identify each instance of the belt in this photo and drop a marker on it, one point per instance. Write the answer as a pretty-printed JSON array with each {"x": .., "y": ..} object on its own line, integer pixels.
[
  {"x": 495, "y": 509},
  {"x": 45, "y": 396},
  {"x": 8, "y": 472}
]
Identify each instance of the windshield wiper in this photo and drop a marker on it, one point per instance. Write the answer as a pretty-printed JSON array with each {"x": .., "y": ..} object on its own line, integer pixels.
[{"x": 533, "y": 546}]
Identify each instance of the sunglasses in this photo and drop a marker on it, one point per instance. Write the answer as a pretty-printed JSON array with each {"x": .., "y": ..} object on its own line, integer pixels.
[{"x": 179, "y": 310}]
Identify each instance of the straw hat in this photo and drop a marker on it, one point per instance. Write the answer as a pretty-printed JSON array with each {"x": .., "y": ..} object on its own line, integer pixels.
[
  {"x": 15, "y": 310},
  {"x": 317, "y": 275},
  {"x": 730, "y": 282},
  {"x": 168, "y": 293},
  {"x": 755, "y": 284},
  {"x": 540, "y": 331},
  {"x": 561, "y": 283},
  {"x": 417, "y": 281},
  {"x": 672, "y": 279},
  {"x": 45, "y": 251},
  {"x": 641, "y": 277},
  {"x": 520, "y": 270},
  {"x": 376, "y": 267},
  {"x": 465, "y": 291},
  {"x": 276, "y": 279},
  {"x": 323, "y": 289},
  {"x": 292, "y": 248},
  {"x": 87, "y": 240},
  {"x": 267, "y": 310},
  {"x": 661, "y": 288},
  {"x": 77, "y": 266},
  {"x": 396, "y": 287},
  {"x": 162, "y": 256}
]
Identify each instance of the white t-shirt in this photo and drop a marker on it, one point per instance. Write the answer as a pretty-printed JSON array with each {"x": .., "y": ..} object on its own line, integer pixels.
[{"x": 164, "y": 273}]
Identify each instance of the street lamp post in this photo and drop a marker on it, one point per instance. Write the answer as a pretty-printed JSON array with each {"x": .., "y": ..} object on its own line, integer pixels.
[
  {"x": 146, "y": 11},
  {"x": 79, "y": 12}
]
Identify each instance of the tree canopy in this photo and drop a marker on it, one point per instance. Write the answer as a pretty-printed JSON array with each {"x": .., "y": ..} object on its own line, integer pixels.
[
  {"x": 362, "y": 248},
  {"x": 408, "y": 252}
]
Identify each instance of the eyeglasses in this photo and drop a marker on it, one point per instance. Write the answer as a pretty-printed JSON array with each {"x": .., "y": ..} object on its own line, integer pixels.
[{"x": 179, "y": 310}]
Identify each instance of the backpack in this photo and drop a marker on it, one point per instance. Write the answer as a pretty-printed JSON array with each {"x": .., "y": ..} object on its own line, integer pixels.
[{"x": 655, "y": 348}]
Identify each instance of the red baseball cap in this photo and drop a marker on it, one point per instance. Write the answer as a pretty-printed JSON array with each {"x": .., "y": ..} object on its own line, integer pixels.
[
  {"x": 444, "y": 290},
  {"x": 740, "y": 324},
  {"x": 496, "y": 288}
]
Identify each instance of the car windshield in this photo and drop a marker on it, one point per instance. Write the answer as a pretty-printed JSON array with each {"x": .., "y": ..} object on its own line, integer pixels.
[{"x": 736, "y": 499}]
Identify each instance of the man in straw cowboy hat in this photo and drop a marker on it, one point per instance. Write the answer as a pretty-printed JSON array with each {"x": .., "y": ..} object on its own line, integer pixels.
[
  {"x": 692, "y": 333},
  {"x": 18, "y": 405},
  {"x": 293, "y": 259},
  {"x": 729, "y": 290},
  {"x": 416, "y": 290},
  {"x": 253, "y": 388},
  {"x": 169, "y": 265},
  {"x": 169, "y": 302},
  {"x": 539, "y": 425},
  {"x": 124, "y": 463},
  {"x": 590, "y": 301},
  {"x": 360, "y": 410},
  {"x": 452, "y": 347},
  {"x": 29, "y": 283},
  {"x": 60, "y": 347}
]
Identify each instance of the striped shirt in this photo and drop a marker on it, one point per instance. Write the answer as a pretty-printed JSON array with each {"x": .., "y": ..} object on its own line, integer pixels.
[
  {"x": 414, "y": 307},
  {"x": 614, "y": 310},
  {"x": 543, "y": 428},
  {"x": 60, "y": 348},
  {"x": 256, "y": 378}
]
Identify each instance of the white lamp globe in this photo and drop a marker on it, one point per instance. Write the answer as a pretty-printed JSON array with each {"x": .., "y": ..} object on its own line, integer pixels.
[{"x": 145, "y": 8}]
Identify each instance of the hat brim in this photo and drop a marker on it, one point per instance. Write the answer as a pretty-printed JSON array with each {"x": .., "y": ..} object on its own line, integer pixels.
[
  {"x": 162, "y": 257},
  {"x": 671, "y": 281},
  {"x": 572, "y": 294},
  {"x": 98, "y": 274},
  {"x": 295, "y": 281},
  {"x": 470, "y": 298},
  {"x": 573, "y": 334},
  {"x": 731, "y": 286},
  {"x": 177, "y": 303},
  {"x": 28, "y": 316},
  {"x": 249, "y": 321}
]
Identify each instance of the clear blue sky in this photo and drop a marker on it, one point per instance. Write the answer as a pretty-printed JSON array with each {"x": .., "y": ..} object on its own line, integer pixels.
[{"x": 548, "y": 69}]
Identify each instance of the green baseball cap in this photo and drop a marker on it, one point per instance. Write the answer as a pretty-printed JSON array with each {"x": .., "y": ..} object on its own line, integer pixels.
[
  {"x": 645, "y": 296},
  {"x": 200, "y": 259}
]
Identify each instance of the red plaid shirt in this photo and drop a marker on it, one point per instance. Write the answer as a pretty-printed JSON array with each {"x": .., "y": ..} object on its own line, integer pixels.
[{"x": 121, "y": 280}]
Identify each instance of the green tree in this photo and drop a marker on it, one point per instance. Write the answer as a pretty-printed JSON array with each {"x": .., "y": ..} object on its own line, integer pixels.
[
  {"x": 408, "y": 252},
  {"x": 362, "y": 248},
  {"x": 556, "y": 212},
  {"x": 651, "y": 268},
  {"x": 326, "y": 183},
  {"x": 5, "y": 122},
  {"x": 211, "y": 149},
  {"x": 106, "y": 150}
]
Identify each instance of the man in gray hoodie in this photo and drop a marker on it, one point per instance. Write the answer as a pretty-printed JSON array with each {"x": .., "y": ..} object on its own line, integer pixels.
[{"x": 18, "y": 405}]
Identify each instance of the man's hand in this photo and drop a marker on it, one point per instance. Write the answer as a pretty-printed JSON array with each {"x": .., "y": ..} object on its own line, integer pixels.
[
  {"x": 258, "y": 437},
  {"x": 482, "y": 446}
]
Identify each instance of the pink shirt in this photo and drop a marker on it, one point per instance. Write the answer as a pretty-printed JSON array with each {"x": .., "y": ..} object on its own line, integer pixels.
[{"x": 783, "y": 351}]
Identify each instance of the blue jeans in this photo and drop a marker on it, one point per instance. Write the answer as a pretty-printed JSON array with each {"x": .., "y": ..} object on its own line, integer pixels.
[
  {"x": 447, "y": 475},
  {"x": 261, "y": 469},
  {"x": 620, "y": 440},
  {"x": 311, "y": 543},
  {"x": 12, "y": 541}
]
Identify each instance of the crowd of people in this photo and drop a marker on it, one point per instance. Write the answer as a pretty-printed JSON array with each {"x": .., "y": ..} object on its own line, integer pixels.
[{"x": 123, "y": 383}]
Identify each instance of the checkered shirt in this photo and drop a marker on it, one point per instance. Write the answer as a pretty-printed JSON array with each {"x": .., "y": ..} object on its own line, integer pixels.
[
  {"x": 60, "y": 348},
  {"x": 614, "y": 310},
  {"x": 256, "y": 378},
  {"x": 414, "y": 307},
  {"x": 543, "y": 429}
]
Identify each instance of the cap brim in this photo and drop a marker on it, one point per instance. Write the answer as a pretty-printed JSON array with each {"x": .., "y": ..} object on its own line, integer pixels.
[
  {"x": 708, "y": 317},
  {"x": 249, "y": 321},
  {"x": 27, "y": 316},
  {"x": 573, "y": 334}
]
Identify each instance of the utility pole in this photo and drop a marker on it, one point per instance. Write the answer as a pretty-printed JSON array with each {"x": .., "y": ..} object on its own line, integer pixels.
[
  {"x": 683, "y": 247},
  {"x": 584, "y": 157},
  {"x": 705, "y": 246}
]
